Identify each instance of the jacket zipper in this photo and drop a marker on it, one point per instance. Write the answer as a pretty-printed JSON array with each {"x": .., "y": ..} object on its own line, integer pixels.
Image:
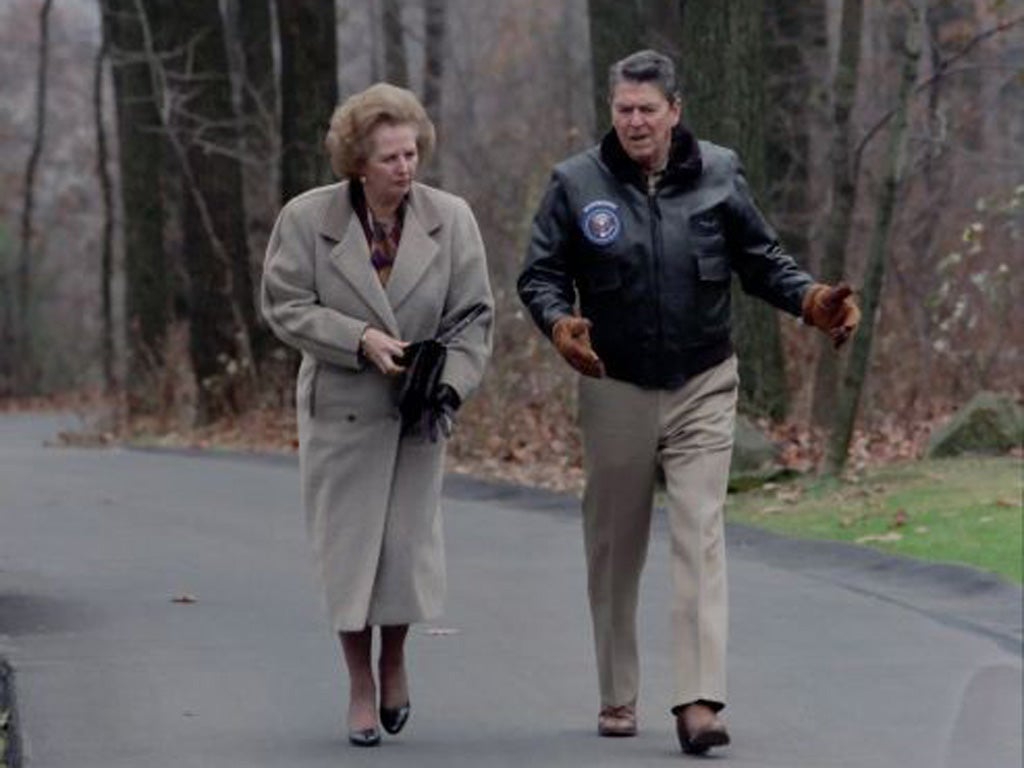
[{"x": 656, "y": 251}]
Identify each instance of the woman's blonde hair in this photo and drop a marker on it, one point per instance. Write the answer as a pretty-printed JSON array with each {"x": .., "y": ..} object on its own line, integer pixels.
[{"x": 348, "y": 137}]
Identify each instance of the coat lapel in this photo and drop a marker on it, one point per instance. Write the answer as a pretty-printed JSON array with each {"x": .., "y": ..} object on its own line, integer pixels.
[
  {"x": 351, "y": 254},
  {"x": 417, "y": 249}
]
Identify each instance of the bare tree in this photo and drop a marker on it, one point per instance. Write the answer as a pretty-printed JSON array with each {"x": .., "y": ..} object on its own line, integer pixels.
[
  {"x": 309, "y": 91},
  {"x": 796, "y": 53},
  {"x": 723, "y": 68},
  {"x": 435, "y": 25},
  {"x": 252, "y": 40},
  {"x": 107, "y": 237},
  {"x": 258, "y": 84},
  {"x": 921, "y": 272},
  {"x": 396, "y": 67},
  {"x": 141, "y": 173},
  {"x": 24, "y": 367},
  {"x": 844, "y": 195},
  {"x": 202, "y": 128},
  {"x": 845, "y": 414}
]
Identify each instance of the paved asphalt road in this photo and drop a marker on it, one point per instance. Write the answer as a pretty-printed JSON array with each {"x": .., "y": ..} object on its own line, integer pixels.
[{"x": 838, "y": 657}]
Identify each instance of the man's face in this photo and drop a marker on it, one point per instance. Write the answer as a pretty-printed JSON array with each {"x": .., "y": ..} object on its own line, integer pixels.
[{"x": 643, "y": 120}]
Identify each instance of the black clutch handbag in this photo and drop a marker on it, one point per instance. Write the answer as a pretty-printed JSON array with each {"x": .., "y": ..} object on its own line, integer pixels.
[{"x": 424, "y": 363}]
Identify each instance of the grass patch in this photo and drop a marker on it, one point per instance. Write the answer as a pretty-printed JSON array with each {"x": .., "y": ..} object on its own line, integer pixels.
[{"x": 963, "y": 510}]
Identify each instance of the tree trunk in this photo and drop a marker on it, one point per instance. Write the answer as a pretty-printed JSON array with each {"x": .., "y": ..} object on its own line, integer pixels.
[
  {"x": 309, "y": 91},
  {"x": 260, "y": 140},
  {"x": 662, "y": 22},
  {"x": 796, "y": 52},
  {"x": 845, "y": 414},
  {"x": 147, "y": 288},
  {"x": 723, "y": 65},
  {"x": 435, "y": 30},
  {"x": 259, "y": 88},
  {"x": 915, "y": 275},
  {"x": 222, "y": 314},
  {"x": 107, "y": 238},
  {"x": 844, "y": 196},
  {"x": 260, "y": 114},
  {"x": 25, "y": 365},
  {"x": 396, "y": 69}
]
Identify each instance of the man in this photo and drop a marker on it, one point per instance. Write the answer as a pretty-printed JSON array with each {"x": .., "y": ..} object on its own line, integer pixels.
[{"x": 645, "y": 229}]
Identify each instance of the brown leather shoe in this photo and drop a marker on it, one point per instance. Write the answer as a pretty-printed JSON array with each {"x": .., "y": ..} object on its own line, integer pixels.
[
  {"x": 698, "y": 740},
  {"x": 617, "y": 721}
]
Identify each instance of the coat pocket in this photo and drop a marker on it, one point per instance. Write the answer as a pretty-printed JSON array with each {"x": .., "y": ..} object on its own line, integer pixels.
[
  {"x": 346, "y": 396},
  {"x": 707, "y": 239},
  {"x": 713, "y": 267},
  {"x": 713, "y": 294}
]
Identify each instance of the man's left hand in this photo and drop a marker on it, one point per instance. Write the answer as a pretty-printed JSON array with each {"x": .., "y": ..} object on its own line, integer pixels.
[{"x": 832, "y": 310}]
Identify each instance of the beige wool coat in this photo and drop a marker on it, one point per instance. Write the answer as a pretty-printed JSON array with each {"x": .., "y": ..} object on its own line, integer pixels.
[{"x": 372, "y": 497}]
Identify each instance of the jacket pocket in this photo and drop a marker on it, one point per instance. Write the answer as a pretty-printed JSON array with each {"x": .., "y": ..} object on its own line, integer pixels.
[
  {"x": 705, "y": 224},
  {"x": 713, "y": 267},
  {"x": 713, "y": 294},
  {"x": 708, "y": 239}
]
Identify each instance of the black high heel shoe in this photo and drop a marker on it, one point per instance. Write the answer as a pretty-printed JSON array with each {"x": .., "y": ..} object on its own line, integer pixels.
[
  {"x": 368, "y": 737},
  {"x": 394, "y": 720}
]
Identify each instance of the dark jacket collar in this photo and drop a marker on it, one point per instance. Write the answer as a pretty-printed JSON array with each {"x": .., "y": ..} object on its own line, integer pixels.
[{"x": 684, "y": 162}]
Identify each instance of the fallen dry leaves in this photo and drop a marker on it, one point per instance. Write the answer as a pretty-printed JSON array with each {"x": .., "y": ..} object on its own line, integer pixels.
[{"x": 880, "y": 538}]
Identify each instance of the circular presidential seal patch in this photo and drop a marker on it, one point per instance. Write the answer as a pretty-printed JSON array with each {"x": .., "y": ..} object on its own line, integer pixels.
[{"x": 600, "y": 222}]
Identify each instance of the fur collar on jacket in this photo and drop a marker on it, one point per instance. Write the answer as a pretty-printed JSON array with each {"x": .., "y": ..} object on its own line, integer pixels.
[{"x": 684, "y": 161}]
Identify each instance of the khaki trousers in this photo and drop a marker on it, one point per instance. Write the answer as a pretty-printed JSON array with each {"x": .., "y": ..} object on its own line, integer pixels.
[{"x": 628, "y": 433}]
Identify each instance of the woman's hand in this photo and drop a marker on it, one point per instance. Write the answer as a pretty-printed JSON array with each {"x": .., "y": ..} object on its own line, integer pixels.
[{"x": 382, "y": 350}]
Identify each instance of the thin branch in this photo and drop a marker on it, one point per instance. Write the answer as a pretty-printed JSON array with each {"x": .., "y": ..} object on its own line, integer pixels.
[
  {"x": 943, "y": 71},
  {"x": 162, "y": 92}
]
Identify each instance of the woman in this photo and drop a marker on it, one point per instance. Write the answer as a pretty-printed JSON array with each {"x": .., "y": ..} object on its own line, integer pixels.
[{"x": 354, "y": 272}]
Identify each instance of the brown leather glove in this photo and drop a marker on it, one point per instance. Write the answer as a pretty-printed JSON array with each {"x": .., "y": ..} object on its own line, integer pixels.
[
  {"x": 571, "y": 336},
  {"x": 830, "y": 309}
]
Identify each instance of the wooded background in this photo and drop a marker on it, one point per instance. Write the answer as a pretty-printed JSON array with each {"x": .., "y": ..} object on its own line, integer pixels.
[{"x": 147, "y": 146}]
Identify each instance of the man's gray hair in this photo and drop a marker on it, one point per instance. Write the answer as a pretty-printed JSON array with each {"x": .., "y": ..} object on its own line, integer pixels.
[{"x": 645, "y": 66}]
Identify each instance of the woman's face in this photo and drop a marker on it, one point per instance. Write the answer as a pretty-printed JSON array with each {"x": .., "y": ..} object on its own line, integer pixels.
[{"x": 391, "y": 165}]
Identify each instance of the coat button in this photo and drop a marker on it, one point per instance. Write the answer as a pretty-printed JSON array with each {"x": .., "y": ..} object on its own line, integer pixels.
[{"x": 351, "y": 417}]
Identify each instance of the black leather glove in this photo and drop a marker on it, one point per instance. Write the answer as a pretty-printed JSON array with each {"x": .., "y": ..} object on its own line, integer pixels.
[{"x": 441, "y": 413}]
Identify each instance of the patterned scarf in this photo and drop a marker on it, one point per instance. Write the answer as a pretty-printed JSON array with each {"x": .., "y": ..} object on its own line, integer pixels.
[{"x": 382, "y": 240}]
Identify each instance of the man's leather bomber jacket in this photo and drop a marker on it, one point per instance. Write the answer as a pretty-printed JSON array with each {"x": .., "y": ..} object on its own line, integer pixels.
[{"x": 652, "y": 267}]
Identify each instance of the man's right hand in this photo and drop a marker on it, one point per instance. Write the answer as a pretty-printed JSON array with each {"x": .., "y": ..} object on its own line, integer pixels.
[{"x": 571, "y": 336}]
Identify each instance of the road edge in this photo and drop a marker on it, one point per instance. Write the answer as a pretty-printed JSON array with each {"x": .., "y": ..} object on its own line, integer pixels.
[
  {"x": 955, "y": 595},
  {"x": 10, "y": 733}
]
